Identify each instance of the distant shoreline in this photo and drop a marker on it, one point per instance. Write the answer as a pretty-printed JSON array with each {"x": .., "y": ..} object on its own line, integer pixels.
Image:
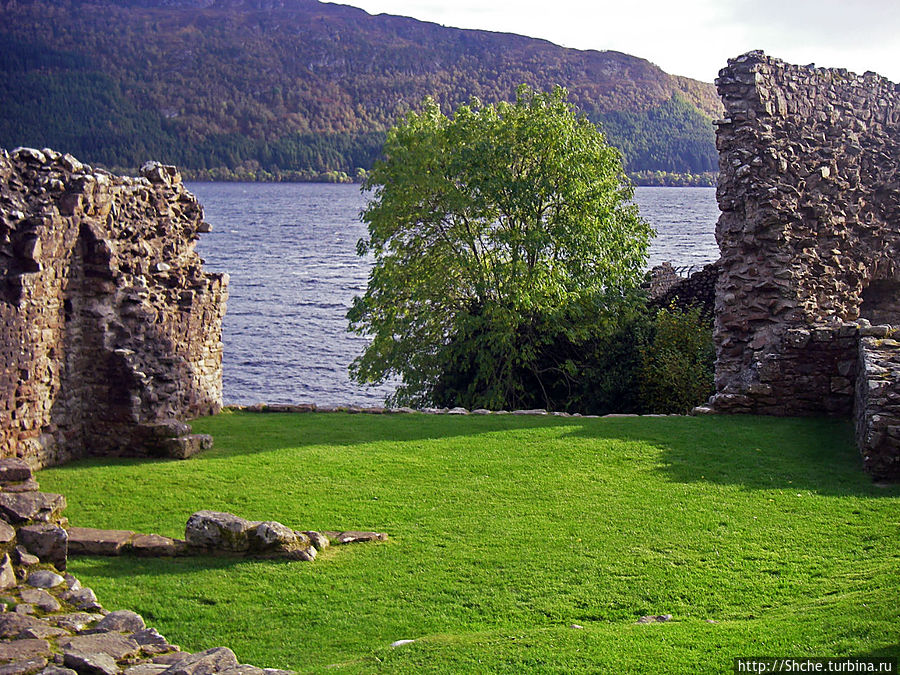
[{"x": 640, "y": 179}]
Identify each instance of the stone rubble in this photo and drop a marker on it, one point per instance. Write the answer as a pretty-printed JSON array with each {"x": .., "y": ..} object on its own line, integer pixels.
[
  {"x": 51, "y": 625},
  {"x": 216, "y": 533}
]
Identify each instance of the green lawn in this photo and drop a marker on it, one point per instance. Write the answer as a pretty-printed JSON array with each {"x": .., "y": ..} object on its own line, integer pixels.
[{"x": 505, "y": 531}]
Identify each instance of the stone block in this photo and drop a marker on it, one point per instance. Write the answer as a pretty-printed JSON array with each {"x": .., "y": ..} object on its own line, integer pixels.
[
  {"x": 31, "y": 507},
  {"x": 218, "y": 531},
  {"x": 50, "y": 543},
  {"x": 14, "y": 470},
  {"x": 187, "y": 446},
  {"x": 92, "y": 541},
  {"x": 156, "y": 546}
]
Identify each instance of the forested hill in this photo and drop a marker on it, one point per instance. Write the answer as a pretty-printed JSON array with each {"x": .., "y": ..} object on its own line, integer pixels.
[{"x": 300, "y": 85}]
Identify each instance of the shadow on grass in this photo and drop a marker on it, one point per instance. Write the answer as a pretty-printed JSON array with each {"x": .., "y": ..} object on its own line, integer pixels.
[
  {"x": 816, "y": 454},
  {"x": 127, "y": 566}
]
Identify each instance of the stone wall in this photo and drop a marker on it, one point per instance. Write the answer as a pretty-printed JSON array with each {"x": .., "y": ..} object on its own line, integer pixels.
[
  {"x": 667, "y": 289},
  {"x": 809, "y": 233},
  {"x": 109, "y": 327}
]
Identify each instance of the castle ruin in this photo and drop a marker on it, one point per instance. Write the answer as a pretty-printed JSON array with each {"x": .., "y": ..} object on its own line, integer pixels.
[
  {"x": 110, "y": 329},
  {"x": 808, "y": 291}
]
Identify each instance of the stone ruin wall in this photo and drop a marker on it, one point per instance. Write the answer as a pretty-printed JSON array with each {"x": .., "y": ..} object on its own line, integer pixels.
[
  {"x": 698, "y": 290},
  {"x": 809, "y": 234},
  {"x": 109, "y": 327}
]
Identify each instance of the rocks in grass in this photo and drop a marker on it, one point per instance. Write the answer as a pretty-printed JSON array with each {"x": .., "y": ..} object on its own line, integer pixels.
[
  {"x": 658, "y": 618},
  {"x": 219, "y": 532}
]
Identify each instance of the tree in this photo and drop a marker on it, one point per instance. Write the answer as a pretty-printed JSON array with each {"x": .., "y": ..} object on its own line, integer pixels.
[{"x": 495, "y": 233}]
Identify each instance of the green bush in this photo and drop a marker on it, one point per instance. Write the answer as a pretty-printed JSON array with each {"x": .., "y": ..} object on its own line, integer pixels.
[{"x": 677, "y": 362}]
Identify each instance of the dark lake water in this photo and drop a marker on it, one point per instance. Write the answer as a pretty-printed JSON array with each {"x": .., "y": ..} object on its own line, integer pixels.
[{"x": 291, "y": 252}]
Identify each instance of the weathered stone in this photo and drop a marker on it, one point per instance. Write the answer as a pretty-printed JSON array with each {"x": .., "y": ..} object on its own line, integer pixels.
[
  {"x": 353, "y": 537},
  {"x": 83, "y": 599},
  {"x": 171, "y": 658},
  {"x": 40, "y": 599},
  {"x": 152, "y": 642},
  {"x": 43, "y": 632},
  {"x": 122, "y": 621},
  {"x": 28, "y": 507},
  {"x": 22, "y": 650},
  {"x": 91, "y": 541},
  {"x": 44, "y": 579},
  {"x": 218, "y": 531},
  {"x": 146, "y": 669},
  {"x": 115, "y": 645},
  {"x": 50, "y": 543},
  {"x": 271, "y": 536},
  {"x": 24, "y": 558},
  {"x": 317, "y": 539},
  {"x": 28, "y": 667},
  {"x": 7, "y": 532},
  {"x": 170, "y": 428},
  {"x": 11, "y": 625},
  {"x": 91, "y": 663},
  {"x": 244, "y": 670},
  {"x": 7, "y": 573},
  {"x": 76, "y": 621},
  {"x": 14, "y": 470},
  {"x": 206, "y": 662},
  {"x": 116, "y": 325},
  {"x": 156, "y": 546},
  {"x": 658, "y": 618},
  {"x": 185, "y": 447},
  {"x": 26, "y": 486}
]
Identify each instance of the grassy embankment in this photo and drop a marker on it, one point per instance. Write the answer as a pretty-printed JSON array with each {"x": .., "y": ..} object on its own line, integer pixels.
[{"x": 505, "y": 531}]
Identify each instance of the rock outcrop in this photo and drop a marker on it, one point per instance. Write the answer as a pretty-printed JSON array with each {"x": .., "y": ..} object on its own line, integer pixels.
[
  {"x": 809, "y": 191},
  {"x": 109, "y": 328}
]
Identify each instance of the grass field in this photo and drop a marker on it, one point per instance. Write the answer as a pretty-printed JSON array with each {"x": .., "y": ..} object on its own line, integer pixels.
[{"x": 760, "y": 536}]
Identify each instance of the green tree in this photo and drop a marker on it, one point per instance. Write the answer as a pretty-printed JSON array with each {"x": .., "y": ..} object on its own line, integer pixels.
[{"x": 496, "y": 233}]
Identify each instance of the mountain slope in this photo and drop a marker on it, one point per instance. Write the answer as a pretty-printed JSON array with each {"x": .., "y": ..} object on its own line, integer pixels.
[{"x": 300, "y": 84}]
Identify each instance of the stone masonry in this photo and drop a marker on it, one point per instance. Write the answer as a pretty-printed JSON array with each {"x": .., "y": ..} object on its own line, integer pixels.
[
  {"x": 809, "y": 234},
  {"x": 110, "y": 330}
]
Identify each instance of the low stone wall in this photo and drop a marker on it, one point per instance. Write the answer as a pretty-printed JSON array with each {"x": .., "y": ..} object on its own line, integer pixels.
[
  {"x": 878, "y": 405},
  {"x": 51, "y": 624},
  {"x": 108, "y": 325}
]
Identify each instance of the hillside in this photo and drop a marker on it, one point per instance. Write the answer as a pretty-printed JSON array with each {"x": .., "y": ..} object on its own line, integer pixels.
[{"x": 300, "y": 85}]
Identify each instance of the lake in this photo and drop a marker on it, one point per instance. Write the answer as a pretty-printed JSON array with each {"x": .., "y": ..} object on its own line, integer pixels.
[{"x": 290, "y": 249}]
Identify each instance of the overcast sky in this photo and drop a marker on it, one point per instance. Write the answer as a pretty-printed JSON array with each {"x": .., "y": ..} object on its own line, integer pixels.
[{"x": 688, "y": 37}]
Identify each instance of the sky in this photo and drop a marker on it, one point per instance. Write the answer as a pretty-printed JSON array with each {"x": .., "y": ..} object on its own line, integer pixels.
[{"x": 694, "y": 38}]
